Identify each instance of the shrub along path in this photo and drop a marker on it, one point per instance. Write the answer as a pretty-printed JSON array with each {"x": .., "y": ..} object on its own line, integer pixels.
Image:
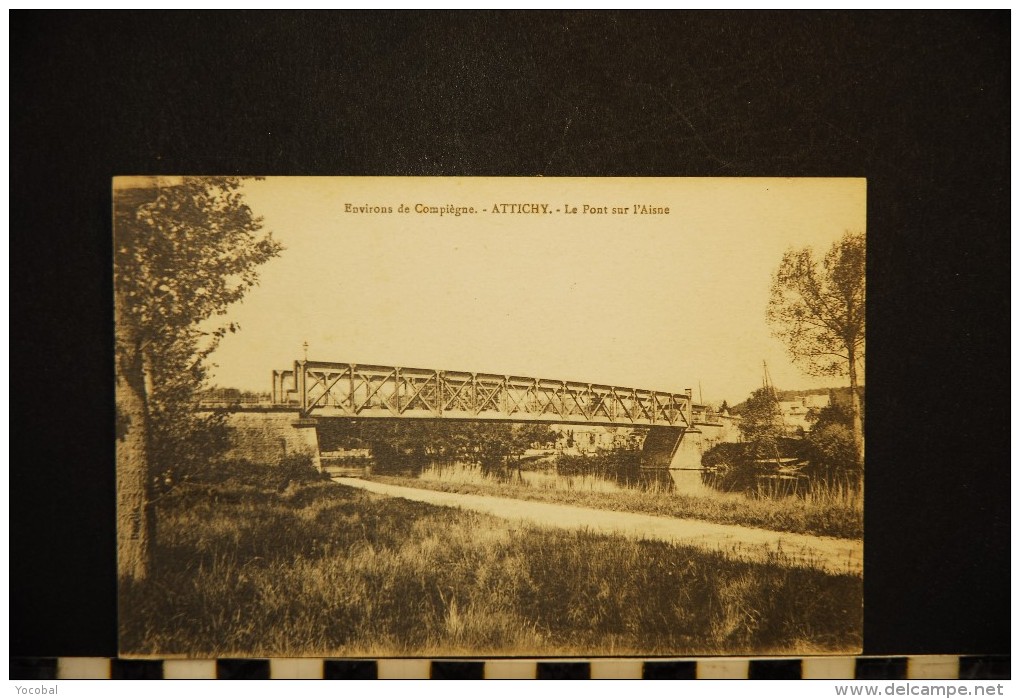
[{"x": 838, "y": 556}]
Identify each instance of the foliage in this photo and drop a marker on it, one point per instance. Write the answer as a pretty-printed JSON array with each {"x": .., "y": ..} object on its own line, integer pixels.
[
  {"x": 184, "y": 250},
  {"x": 293, "y": 468},
  {"x": 182, "y": 254},
  {"x": 621, "y": 466},
  {"x": 185, "y": 442},
  {"x": 832, "y": 414},
  {"x": 830, "y": 448},
  {"x": 601, "y": 463},
  {"x": 725, "y": 455},
  {"x": 837, "y": 412},
  {"x": 761, "y": 424},
  {"x": 407, "y": 445},
  {"x": 819, "y": 313},
  {"x": 737, "y": 467}
]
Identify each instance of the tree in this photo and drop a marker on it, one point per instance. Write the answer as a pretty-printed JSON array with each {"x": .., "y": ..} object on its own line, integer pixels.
[
  {"x": 818, "y": 311},
  {"x": 761, "y": 423},
  {"x": 835, "y": 413},
  {"x": 831, "y": 448},
  {"x": 184, "y": 250}
]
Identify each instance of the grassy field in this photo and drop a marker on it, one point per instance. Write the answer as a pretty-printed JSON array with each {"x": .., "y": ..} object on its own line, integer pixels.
[
  {"x": 319, "y": 569},
  {"x": 833, "y": 513}
]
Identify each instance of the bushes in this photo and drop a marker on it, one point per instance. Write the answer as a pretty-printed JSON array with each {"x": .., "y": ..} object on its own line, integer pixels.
[
  {"x": 737, "y": 466},
  {"x": 621, "y": 465},
  {"x": 724, "y": 454},
  {"x": 745, "y": 454},
  {"x": 601, "y": 463},
  {"x": 831, "y": 448},
  {"x": 404, "y": 447},
  {"x": 829, "y": 452},
  {"x": 296, "y": 468}
]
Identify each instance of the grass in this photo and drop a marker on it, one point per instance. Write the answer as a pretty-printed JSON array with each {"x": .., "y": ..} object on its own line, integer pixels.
[
  {"x": 830, "y": 511},
  {"x": 319, "y": 569}
]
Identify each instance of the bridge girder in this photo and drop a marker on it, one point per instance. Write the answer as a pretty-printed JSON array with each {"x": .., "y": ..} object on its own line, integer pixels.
[{"x": 329, "y": 389}]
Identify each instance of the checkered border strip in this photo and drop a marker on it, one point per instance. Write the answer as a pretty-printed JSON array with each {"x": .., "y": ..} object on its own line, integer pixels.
[{"x": 922, "y": 667}]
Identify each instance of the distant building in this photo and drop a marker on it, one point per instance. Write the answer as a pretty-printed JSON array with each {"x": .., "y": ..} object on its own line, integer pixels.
[
  {"x": 714, "y": 427},
  {"x": 795, "y": 412},
  {"x": 817, "y": 401},
  {"x": 588, "y": 440}
]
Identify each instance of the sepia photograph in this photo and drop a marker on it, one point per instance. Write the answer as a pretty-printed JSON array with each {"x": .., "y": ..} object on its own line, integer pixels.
[{"x": 364, "y": 417}]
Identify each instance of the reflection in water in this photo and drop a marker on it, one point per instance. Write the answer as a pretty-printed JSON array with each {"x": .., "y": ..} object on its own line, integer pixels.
[
  {"x": 774, "y": 483},
  {"x": 647, "y": 480},
  {"x": 621, "y": 467},
  {"x": 613, "y": 472},
  {"x": 454, "y": 471},
  {"x": 692, "y": 482},
  {"x": 550, "y": 475},
  {"x": 730, "y": 479}
]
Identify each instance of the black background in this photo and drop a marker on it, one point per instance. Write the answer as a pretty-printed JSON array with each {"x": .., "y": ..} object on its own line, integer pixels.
[{"x": 916, "y": 102}]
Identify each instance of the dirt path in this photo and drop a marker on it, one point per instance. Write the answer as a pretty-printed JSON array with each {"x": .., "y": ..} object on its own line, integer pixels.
[{"x": 827, "y": 553}]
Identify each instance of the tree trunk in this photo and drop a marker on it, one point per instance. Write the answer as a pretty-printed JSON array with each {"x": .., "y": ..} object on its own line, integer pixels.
[
  {"x": 135, "y": 520},
  {"x": 855, "y": 410}
]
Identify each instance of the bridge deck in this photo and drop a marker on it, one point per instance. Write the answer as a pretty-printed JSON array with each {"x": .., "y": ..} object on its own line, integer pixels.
[{"x": 330, "y": 389}]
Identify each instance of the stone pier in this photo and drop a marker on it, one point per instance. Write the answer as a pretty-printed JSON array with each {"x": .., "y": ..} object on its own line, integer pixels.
[
  {"x": 660, "y": 446},
  {"x": 270, "y": 436}
]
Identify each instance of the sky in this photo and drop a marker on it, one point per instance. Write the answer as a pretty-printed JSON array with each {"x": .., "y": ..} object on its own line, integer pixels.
[{"x": 657, "y": 301}]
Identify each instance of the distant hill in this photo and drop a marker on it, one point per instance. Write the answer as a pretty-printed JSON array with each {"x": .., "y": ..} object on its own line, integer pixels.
[
  {"x": 218, "y": 394},
  {"x": 839, "y": 395}
]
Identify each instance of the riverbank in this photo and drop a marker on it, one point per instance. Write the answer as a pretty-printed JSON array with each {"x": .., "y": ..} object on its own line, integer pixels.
[
  {"x": 324, "y": 570},
  {"x": 837, "y": 556},
  {"x": 835, "y": 515}
]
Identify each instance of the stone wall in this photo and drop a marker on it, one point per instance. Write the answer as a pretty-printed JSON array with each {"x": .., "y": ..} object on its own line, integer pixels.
[
  {"x": 269, "y": 436},
  {"x": 699, "y": 440}
]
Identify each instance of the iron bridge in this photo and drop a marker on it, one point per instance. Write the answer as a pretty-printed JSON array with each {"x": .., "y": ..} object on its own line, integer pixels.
[{"x": 329, "y": 389}]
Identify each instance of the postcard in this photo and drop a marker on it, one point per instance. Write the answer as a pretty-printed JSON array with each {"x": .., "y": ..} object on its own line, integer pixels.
[{"x": 366, "y": 417}]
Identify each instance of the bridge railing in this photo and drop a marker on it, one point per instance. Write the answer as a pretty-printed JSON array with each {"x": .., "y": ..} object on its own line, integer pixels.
[{"x": 330, "y": 389}]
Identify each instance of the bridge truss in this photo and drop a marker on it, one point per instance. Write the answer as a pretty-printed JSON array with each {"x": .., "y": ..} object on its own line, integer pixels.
[{"x": 328, "y": 389}]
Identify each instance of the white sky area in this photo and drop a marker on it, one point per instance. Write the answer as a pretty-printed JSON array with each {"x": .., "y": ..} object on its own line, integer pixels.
[{"x": 661, "y": 302}]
